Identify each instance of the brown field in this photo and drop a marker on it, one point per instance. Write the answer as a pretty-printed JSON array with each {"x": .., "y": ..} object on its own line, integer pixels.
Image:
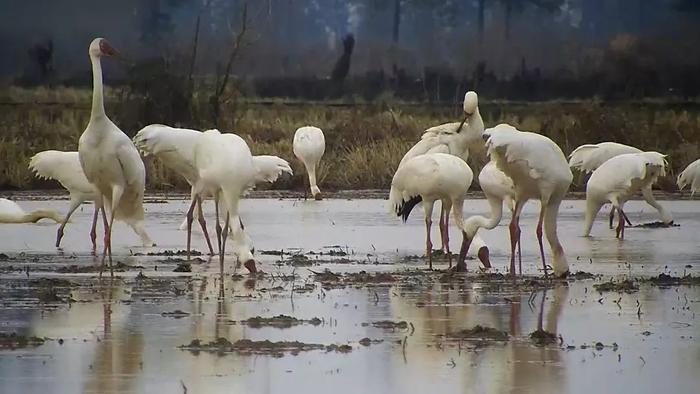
[{"x": 364, "y": 141}]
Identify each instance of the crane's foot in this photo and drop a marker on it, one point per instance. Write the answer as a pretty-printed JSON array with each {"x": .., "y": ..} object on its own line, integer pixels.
[{"x": 318, "y": 196}]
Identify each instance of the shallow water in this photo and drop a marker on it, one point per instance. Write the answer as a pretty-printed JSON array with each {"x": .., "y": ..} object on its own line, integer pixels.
[{"x": 116, "y": 339}]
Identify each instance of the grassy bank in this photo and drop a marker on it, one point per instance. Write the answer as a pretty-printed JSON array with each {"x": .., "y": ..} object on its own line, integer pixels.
[{"x": 364, "y": 142}]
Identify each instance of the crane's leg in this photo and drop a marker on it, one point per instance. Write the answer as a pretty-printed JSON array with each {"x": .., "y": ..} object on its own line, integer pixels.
[
  {"x": 74, "y": 204},
  {"x": 428, "y": 209},
  {"x": 223, "y": 245},
  {"x": 105, "y": 225},
  {"x": 117, "y": 193},
  {"x": 203, "y": 225},
  {"x": 445, "y": 211},
  {"x": 620, "y": 231},
  {"x": 190, "y": 219},
  {"x": 93, "y": 230},
  {"x": 219, "y": 230},
  {"x": 514, "y": 228},
  {"x": 612, "y": 216},
  {"x": 442, "y": 228},
  {"x": 539, "y": 240}
]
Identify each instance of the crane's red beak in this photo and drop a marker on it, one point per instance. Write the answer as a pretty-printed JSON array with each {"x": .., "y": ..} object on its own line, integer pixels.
[{"x": 107, "y": 49}]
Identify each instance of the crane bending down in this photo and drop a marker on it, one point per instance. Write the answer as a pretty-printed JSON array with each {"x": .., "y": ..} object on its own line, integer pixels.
[
  {"x": 65, "y": 168},
  {"x": 226, "y": 171},
  {"x": 309, "y": 145},
  {"x": 11, "y": 212},
  {"x": 430, "y": 177},
  {"x": 109, "y": 159},
  {"x": 690, "y": 177},
  {"x": 587, "y": 158},
  {"x": 458, "y": 139},
  {"x": 539, "y": 170},
  {"x": 617, "y": 180},
  {"x": 498, "y": 188},
  {"x": 175, "y": 148}
]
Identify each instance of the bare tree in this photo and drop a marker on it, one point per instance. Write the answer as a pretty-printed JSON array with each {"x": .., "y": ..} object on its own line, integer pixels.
[{"x": 239, "y": 38}]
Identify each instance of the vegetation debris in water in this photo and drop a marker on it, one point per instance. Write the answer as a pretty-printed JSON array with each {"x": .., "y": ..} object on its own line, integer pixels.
[
  {"x": 657, "y": 224},
  {"x": 279, "y": 321},
  {"x": 177, "y": 314},
  {"x": 266, "y": 347},
  {"x": 183, "y": 267},
  {"x": 366, "y": 341},
  {"x": 627, "y": 286},
  {"x": 669, "y": 280},
  {"x": 14, "y": 341},
  {"x": 543, "y": 338},
  {"x": 479, "y": 332},
  {"x": 390, "y": 325}
]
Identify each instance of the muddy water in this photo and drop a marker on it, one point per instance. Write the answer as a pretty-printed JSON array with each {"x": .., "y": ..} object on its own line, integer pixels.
[{"x": 115, "y": 338}]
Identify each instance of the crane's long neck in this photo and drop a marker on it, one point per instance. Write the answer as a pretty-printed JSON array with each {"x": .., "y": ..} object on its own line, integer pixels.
[
  {"x": 475, "y": 121},
  {"x": 98, "y": 107},
  {"x": 474, "y": 223},
  {"x": 35, "y": 216},
  {"x": 593, "y": 205},
  {"x": 550, "y": 229}
]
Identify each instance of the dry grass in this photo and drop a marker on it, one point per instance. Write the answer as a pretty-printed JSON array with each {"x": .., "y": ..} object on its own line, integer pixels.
[{"x": 364, "y": 143}]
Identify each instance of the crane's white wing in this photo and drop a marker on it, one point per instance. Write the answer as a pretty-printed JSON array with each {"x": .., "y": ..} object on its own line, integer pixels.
[
  {"x": 540, "y": 154},
  {"x": 588, "y": 157},
  {"x": 690, "y": 176},
  {"x": 269, "y": 168},
  {"x": 63, "y": 167},
  {"x": 174, "y": 147}
]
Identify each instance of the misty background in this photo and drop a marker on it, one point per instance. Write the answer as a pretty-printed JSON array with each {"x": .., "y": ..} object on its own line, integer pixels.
[{"x": 416, "y": 49}]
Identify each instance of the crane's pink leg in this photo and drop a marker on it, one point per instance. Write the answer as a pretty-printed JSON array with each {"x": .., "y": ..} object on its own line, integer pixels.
[
  {"x": 620, "y": 231},
  {"x": 539, "y": 240},
  {"x": 442, "y": 228},
  {"x": 514, "y": 228},
  {"x": 463, "y": 249},
  {"x": 105, "y": 248},
  {"x": 93, "y": 230},
  {"x": 626, "y": 218},
  {"x": 223, "y": 245},
  {"x": 218, "y": 224},
  {"x": 446, "y": 242},
  {"x": 190, "y": 219},
  {"x": 612, "y": 216},
  {"x": 428, "y": 244},
  {"x": 203, "y": 225}
]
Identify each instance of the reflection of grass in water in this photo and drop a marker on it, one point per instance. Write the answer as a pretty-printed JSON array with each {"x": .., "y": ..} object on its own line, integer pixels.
[{"x": 363, "y": 143}]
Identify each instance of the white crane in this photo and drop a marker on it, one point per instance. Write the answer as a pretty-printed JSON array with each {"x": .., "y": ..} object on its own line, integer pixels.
[
  {"x": 427, "y": 178},
  {"x": 175, "y": 148},
  {"x": 458, "y": 139},
  {"x": 587, "y": 158},
  {"x": 498, "y": 188},
  {"x": 65, "y": 168},
  {"x": 226, "y": 171},
  {"x": 309, "y": 145},
  {"x": 617, "y": 180},
  {"x": 11, "y": 212},
  {"x": 539, "y": 170},
  {"x": 108, "y": 157},
  {"x": 690, "y": 177}
]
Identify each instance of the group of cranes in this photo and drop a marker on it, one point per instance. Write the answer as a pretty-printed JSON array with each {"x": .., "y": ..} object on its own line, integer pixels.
[
  {"x": 108, "y": 170},
  {"x": 523, "y": 166}
]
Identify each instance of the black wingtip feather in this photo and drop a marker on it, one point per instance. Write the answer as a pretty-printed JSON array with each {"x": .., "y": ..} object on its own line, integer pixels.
[{"x": 407, "y": 206}]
